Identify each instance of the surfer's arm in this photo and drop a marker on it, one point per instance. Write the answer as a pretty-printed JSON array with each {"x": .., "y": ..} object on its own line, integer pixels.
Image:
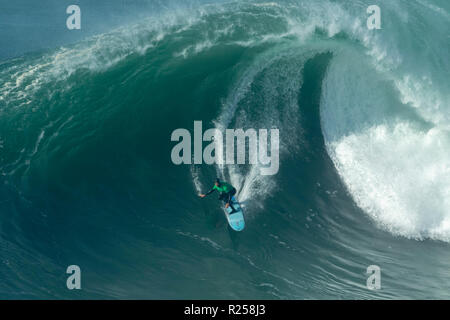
[{"x": 208, "y": 193}]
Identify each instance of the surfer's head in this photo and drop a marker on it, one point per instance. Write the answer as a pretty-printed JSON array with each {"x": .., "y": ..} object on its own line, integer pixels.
[{"x": 217, "y": 183}]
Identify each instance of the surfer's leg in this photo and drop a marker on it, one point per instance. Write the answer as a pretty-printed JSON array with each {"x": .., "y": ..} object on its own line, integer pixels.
[{"x": 229, "y": 196}]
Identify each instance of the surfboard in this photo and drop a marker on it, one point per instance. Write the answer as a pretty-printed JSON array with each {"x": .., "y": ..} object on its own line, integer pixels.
[{"x": 236, "y": 219}]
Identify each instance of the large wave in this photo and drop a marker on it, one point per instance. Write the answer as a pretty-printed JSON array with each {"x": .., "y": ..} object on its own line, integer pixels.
[{"x": 385, "y": 117}]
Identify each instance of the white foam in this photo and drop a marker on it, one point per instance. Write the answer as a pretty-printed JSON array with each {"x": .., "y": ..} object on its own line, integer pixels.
[
  {"x": 400, "y": 176},
  {"x": 422, "y": 95}
]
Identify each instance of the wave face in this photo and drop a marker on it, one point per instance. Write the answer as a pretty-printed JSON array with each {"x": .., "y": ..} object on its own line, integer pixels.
[{"x": 86, "y": 176}]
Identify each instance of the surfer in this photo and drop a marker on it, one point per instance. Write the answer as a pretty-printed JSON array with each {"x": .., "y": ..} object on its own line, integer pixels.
[{"x": 227, "y": 191}]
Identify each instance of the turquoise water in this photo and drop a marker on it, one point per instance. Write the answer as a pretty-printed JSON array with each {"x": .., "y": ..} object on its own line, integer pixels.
[{"x": 86, "y": 176}]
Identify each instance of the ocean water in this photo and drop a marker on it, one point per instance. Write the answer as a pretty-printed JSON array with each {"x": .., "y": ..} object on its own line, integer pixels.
[{"x": 86, "y": 176}]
